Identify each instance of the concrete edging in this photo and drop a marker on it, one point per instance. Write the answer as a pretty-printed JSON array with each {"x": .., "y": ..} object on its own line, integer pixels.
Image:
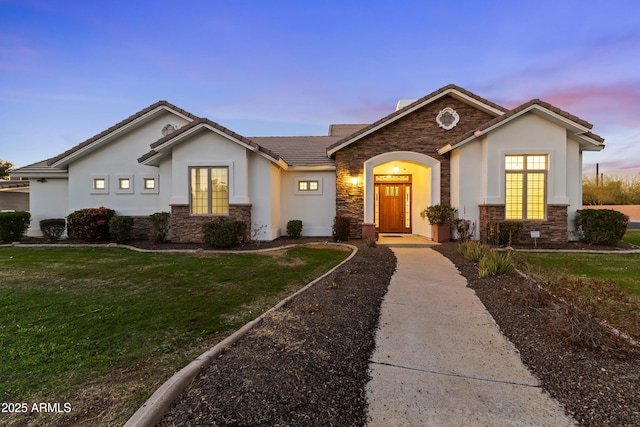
[{"x": 150, "y": 413}]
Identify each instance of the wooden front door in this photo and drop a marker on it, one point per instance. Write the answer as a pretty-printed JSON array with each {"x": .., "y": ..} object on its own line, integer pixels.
[{"x": 393, "y": 207}]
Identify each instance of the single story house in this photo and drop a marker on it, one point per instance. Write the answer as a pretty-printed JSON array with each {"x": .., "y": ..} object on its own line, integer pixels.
[{"x": 450, "y": 146}]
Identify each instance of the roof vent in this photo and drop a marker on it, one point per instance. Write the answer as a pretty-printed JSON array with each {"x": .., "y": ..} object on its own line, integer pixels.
[{"x": 168, "y": 128}]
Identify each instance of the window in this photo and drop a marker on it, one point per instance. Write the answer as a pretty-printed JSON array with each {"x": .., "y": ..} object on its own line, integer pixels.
[
  {"x": 149, "y": 183},
  {"x": 99, "y": 184},
  {"x": 210, "y": 191},
  {"x": 124, "y": 183},
  {"x": 525, "y": 193},
  {"x": 308, "y": 186}
]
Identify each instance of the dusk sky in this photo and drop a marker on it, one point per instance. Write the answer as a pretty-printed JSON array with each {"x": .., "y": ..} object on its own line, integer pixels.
[{"x": 71, "y": 69}]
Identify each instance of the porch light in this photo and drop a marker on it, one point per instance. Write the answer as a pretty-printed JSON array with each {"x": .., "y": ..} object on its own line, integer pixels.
[
  {"x": 396, "y": 169},
  {"x": 354, "y": 180}
]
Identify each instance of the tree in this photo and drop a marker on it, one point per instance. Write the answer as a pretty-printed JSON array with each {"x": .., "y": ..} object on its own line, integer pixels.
[
  {"x": 611, "y": 190},
  {"x": 5, "y": 167}
]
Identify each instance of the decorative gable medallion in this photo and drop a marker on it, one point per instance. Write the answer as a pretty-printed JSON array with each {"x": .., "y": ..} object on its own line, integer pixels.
[
  {"x": 447, "y": 118},
  {"x": 168, "y": 128}
]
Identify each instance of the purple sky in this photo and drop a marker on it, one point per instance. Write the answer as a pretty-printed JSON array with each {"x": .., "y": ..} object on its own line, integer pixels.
[{"x": 70, "y": 69}]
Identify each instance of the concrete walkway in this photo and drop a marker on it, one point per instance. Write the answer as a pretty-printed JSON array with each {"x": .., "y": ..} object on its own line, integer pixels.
[{"x": 440, "y": 359}]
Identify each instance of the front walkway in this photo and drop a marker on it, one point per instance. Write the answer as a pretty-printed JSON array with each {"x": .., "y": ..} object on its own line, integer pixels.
[{"x": 440, "y": 359}]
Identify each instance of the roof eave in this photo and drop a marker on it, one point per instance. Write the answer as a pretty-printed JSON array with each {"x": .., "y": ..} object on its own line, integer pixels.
[{"x": 80, "y": 152}]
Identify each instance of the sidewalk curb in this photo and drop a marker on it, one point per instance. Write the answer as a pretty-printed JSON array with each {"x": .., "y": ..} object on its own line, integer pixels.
[{"x": 152, "y": 411}]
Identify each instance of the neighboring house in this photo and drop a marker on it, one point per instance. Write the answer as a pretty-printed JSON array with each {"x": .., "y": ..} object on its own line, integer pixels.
[
  {"x": 14, "y": 195},
  {"x": 450, "y": 146}
]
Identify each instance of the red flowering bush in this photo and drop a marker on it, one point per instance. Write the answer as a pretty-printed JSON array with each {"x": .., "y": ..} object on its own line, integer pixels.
[{"x": 90, "y": 224}]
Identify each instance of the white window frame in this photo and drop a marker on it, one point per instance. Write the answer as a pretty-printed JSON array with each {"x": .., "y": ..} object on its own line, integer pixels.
[
  {"x": 210, "y": 201},
  {"x": 525, "y": 172},
  {"x": 119, "y": 178},
  {"x": 99, "y": 177},
  {"x": 142, "y": 178}
]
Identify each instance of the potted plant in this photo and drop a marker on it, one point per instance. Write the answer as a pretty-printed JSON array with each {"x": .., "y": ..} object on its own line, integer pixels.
[{"x": 441, "y": 217}]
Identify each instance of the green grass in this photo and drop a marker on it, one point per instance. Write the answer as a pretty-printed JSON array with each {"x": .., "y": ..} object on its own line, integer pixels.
[
  {"x": 632, "y": 236},
  {"x": 71, "y": 318},
  {"x": 624, "y": 269}
]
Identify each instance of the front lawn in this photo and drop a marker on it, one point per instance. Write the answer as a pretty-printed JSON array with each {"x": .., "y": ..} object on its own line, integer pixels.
[
  {"x": 632, "y": 236},
  {"x": 605, "y": 285},
  {"x": 98, "y": 326}
]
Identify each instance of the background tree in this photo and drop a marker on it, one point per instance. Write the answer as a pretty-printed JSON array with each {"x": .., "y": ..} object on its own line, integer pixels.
[
  {"x": 611, "y": 190},
  {"x": 5, "y": 167}
]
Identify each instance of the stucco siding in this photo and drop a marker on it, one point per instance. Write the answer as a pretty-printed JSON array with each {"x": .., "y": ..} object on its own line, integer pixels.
[
  {"x": 264, "y": 211},
  {"x": 469, "y": 180},
  {"x": 118, "y": 159},
  {"x": 529, "y": 134},
  {"x": 210, "y": 149},
  {"x": 47, "y": 200},
  {"x": 315, "y": 209}
]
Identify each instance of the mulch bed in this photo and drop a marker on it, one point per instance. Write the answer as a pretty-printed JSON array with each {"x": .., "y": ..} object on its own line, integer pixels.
[
  {"x": 594, "y": 375},
  {"x": 305, "y": 364}
]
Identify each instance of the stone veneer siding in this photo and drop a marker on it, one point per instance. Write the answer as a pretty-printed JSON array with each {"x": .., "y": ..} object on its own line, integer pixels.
[
  {"x": 418, "y": 132},
  {"x": 552, "y": 230},
  {"x": 187, "y": 228},
  {"x": 141, "y": 228}
]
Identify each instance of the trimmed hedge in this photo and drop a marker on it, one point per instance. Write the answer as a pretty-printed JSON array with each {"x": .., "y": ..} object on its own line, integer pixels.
[
  {"x": 120, "y": 228},
  {"x": 341, "y": 227},
  {"x": 13, "y": 225},
  {"x": 224, "y": 232},
  {"x": 160, "y": 226},
  {"x": 53, "y": 228},
  {"x": 294, "y": 228},
  {"x": 90, "y": 224},
  {"x": 601, "y": 226}
]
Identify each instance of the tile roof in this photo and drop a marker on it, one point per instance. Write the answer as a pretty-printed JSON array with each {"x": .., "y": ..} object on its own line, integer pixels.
[
  {"x": 37, "y": 168},
  {"x": 118, "y": 126},
  {"x": 300, "y": 150},
  {"x": 13, "y": 184}
]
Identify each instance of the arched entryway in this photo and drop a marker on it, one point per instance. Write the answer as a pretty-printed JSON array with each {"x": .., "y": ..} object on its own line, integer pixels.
[{"x": 398, "y": 186}]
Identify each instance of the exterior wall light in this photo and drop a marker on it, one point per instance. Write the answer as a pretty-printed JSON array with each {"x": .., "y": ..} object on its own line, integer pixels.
[{"x": 354, "y": 180}]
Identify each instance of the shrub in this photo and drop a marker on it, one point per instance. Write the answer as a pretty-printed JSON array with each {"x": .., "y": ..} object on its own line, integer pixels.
[
  {"x": 495, "y": 263},
  {"x": 473, "y": 250},
  {"x": 224, "y": 232},
  {"x": 294, "y": 228},
  {"x": 160, "y": 226},
  {"x": 13, "y": 225},
  {"x": 53, "y": 228},
  {"x": 341, "y": 228},
  {"x": 504, "y": 233},
  {"x": 465, "y": 229},
  {"x": 120, "y": 228},
  {"x": 601, "y": 226},
  {"x": 90, "y": 224},
  {"x": 440, "y": 214}
]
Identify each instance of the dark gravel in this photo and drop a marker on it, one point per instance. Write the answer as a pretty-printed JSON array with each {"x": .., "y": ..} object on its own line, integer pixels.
[
  {"x": 595, "y": 376},
  {"x": 305, "y": 365}
]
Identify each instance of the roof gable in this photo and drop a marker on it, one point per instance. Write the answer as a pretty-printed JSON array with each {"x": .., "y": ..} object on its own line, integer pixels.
[
  {"x": 117, "y": 130},
  {"x": 164, "y": 146},
  {"x": 449, "y": 90},
  {"x": 577, "y": 127}
]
